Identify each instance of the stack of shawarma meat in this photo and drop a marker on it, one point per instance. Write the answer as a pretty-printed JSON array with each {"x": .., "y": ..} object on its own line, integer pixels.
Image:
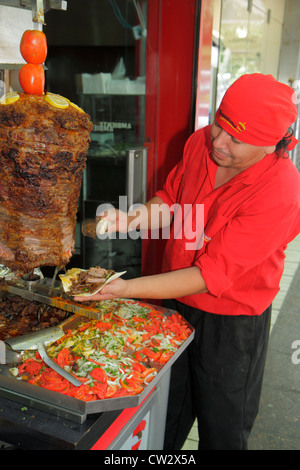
[{"x": 43, "y": 150}]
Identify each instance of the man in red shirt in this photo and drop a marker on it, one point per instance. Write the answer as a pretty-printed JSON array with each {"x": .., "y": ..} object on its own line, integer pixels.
[{"x": 233, "y": 203}]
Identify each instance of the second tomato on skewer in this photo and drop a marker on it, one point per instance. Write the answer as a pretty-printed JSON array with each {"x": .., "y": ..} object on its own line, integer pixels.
[
  {"x": 32, "y": 79},
  {"x": 33, "y": 48}
]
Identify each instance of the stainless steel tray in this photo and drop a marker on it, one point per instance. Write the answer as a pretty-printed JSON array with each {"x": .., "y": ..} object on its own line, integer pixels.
[
  {"x": 73, "y": 408},
  {"x": 54, "y": 296}
]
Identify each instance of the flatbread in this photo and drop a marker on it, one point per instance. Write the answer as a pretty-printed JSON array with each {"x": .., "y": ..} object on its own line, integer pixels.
[{"x": 83, "y": 282}]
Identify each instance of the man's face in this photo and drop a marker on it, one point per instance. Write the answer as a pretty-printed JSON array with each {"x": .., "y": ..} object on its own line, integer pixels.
[{"x": 229, "y": 152}]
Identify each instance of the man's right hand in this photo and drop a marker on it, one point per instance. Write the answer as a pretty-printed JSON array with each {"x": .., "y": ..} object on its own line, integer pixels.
[{"x": 112, "y": 220}]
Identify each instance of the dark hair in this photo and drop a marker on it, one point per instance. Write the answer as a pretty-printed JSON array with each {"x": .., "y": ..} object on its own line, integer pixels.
[{"x": 281, "y": 147}]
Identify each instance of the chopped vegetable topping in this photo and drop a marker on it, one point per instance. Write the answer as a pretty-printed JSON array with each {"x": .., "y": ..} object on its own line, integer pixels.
[{"x": 113, "y": 357}]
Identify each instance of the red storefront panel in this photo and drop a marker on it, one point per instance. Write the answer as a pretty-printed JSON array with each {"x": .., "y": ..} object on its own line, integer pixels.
[{"x": 171, "y": 33}]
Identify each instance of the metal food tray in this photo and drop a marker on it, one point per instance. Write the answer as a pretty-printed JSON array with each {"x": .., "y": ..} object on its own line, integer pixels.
[
  {"x": 49, "y": 294},
  {"x": 72, "y": 408}
]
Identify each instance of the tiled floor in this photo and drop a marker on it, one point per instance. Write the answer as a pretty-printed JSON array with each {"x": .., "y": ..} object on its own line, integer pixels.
[{"x": 278, "y": 423}]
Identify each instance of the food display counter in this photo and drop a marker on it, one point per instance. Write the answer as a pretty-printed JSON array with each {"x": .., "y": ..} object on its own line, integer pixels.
[
  {"x": 34, "y": 417},
  {"x": 136, "y": 428}
]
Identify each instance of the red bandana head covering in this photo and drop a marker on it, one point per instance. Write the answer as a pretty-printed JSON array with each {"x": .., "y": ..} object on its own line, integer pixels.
[{"x": 258, "y": 110}]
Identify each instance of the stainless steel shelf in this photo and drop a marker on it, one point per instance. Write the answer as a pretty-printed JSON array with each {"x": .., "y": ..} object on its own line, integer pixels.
[{"x": 28, "y": 4}]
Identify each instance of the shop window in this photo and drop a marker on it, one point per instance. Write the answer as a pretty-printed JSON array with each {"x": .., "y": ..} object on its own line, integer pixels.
[{"x": 246, "y": 39}]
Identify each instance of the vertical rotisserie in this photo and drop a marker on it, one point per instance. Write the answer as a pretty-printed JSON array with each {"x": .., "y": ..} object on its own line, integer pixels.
[{"x": 43, "y": 146}]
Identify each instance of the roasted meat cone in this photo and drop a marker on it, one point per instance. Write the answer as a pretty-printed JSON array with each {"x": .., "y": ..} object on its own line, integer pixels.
[{"x": 43, "y": 151}]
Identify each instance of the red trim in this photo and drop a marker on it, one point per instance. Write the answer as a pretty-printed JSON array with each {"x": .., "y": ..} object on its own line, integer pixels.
[{"x": 116, "y": 427}]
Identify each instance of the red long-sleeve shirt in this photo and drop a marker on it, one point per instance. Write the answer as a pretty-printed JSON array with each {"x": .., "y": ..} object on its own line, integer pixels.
[{"x": 248, "y": 223}]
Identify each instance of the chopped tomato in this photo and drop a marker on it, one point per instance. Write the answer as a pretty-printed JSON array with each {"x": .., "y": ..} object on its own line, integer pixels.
[
  {"x": 138, "y": 356},
  {"x": 65, "y": 358},
  {"x": 99, "y": 374},
  {"x": 165, "y": 356},
  {"x": 32, "y": 366},
  {"x": 153, "y": 355},
  {"x": 85, "y": 327},
  {"x": 148, "y": 371},
  {"x": 121, "y": 392},
  {"x": 110, "y": 391},
  {"x": 112, "y": 356},
  {"x": 53, "y": 381},
  {"x": 139, "y": 320},
  {"x": 82, "y": 393},
  {"x": 99, "y": 389},
  {"x": 138, "y": 367},
  {"x": 134, "y": 379},
  {"x": 103, "y": 326},
  {"x": 56, "y": 386},
  {"x": 34, "y": 380},
  {"x": 132, "y": 388}
]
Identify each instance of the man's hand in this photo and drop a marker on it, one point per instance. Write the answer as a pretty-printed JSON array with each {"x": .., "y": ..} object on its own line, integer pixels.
[
  {"x": 171, "y": 285},
  {"x": 112, "y": 221},
  {"x": 152, "y": 215},
  {"x": 115, "y": 289}
]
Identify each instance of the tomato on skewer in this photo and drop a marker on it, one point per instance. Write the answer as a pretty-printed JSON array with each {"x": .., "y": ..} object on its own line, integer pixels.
[
  {"x": 33, "y": 46},
  {"x": 32, "y": 79}
]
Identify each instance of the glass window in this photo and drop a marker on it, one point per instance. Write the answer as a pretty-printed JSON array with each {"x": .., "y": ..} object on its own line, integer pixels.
[
  {"x": 96, "y": 58},
  {"x": 246, "y": 40}
]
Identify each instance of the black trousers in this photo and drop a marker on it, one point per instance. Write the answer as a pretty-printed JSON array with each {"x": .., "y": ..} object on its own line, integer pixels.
[{"x": 217, "y": 379}]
